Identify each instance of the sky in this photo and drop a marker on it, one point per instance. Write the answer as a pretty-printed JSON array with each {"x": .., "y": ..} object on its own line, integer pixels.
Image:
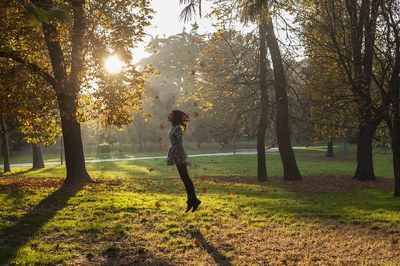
[{"x": 166, "y": 22}]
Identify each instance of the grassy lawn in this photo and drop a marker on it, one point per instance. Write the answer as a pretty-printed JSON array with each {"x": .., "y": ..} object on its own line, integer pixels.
[{"x": 133, "y": 214}]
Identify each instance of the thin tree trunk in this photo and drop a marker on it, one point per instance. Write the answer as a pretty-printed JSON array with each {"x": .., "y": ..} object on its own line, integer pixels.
[
  {"x": 37, "y": 159},
  {"x": 329, "y": 152},
  {"x": 262, "y": 125},
  {"x": 395, "y": 139},
  {"x": 395, "y": 95},
  {"x": 290, "y": 169},
  {"x": 5, "y": 147}
]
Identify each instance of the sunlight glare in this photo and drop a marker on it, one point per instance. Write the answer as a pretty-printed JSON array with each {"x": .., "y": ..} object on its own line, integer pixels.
[{"x": 113, "y": 64}]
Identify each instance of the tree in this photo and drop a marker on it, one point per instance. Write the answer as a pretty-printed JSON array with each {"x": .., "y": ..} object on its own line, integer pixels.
[
  {"x": 175, "y": 59},
  {"x": 65, "y": 53},
  {"x": 344, "y": 32},
  {"x": 259, "y": 12},
  {"x": 239, "y": 97}
]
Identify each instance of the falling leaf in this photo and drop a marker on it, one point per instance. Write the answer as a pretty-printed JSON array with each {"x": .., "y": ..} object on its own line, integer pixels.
[
  {"x": 165, "y": 145},
  {"x": 192, "y": 72},
  {"x": 162, "y": 126}
]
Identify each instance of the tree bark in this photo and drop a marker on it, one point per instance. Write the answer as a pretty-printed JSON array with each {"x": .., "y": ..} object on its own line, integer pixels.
[
  {"x": 329, "y": 152},
  {"x": 37, "y": 159},
  {"x": 395, "y": 139},
  {"x": 73, "y": 147},
  {"x": 365, "y": 166},
  {"x": 5, "y": 146},
  {"x": 262, "y": 125},
  {"x": 290, "y": 168}
]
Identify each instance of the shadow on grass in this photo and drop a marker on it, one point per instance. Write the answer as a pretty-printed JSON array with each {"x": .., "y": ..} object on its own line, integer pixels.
[
  {"x": 14, "y": 237},
  {"x": 115, "y": 257},
  {"x": 218, "y": 257}
]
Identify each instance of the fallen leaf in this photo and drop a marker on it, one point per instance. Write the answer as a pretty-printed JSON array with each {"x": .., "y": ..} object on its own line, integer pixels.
[
  {"x": 158, "y": 205},
  {"x": 197, "y": 242}
]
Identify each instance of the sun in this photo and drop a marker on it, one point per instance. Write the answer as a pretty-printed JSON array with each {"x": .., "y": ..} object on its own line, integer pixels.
[{"x": 113, "y": 64}]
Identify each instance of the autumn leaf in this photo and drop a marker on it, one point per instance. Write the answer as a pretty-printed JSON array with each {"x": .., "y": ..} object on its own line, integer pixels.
[
  {"x": 202, "y": 178},
  {"x": 197, "y": 242},
  {"x": 233, "y": 193},
  {"x": 162, "y": 126},
  {"x": 204, "y": 190},
  {"x": 208, "y": 227},
  {"x": 150, "y": 169},
  {"x": 158, "y": 205}
]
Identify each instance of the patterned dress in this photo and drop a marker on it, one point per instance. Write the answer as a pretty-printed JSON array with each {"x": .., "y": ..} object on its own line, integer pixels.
[{"x": 176, "y": 153}]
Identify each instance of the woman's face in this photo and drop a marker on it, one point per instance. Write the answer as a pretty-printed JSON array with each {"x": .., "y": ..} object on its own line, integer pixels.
[{"x": 170, "y": 117}]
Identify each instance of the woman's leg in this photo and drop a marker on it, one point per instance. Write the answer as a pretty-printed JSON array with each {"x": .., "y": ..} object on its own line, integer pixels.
[{"x": 183, "y": 173}]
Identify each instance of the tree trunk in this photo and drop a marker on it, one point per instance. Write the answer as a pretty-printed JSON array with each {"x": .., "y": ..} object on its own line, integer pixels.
[
  {"x": 262, "y": 125},
  {"x": 345, "y": 146},
  {"x": 5, "y": 147},
  {"x": 290, "y": 169},
  {"x": 37, "y": 159},
  {"x": 329, "y": 152},
  {"x": 365, "y": 166},
  {"x": 395, "y": 138},
  {"x": 73, "y": 147}
]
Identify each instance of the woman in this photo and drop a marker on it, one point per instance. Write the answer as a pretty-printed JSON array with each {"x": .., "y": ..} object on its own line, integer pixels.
[{"x": 177, "y": 155}]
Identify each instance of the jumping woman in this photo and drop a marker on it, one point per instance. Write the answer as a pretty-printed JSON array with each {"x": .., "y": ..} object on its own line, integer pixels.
[{"x": 177, "y": 155}]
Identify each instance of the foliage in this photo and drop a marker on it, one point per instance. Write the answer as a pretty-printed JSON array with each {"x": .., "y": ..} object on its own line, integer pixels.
[
  {"x": 229, "y": 84},
  {"x": 175, "y": 59},
  {"x": 112, "y": 27},
  {"x": 28, "y": 103}
]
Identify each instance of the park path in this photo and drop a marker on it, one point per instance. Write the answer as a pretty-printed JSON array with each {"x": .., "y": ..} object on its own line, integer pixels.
[
  {"x": 147, "y": 158},
  {"x": 247, "y": 151}
]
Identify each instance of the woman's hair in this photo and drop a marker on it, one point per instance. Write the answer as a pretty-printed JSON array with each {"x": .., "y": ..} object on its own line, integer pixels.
[{"x": 180, "y": 118}]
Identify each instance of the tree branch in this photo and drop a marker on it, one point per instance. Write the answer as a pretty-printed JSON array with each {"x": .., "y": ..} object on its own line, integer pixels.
[{"x": 33, "y": 67}]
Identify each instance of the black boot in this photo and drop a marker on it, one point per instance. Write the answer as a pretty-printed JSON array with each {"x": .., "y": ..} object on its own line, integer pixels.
[
  {"x": 192, "y": 203},
  {"x": 195, "y": 204},
  {"x": 189, "y": 205}
]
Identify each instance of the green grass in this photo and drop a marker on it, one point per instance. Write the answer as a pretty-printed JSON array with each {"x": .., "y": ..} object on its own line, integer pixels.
[{"x": 134, "y": 214}]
